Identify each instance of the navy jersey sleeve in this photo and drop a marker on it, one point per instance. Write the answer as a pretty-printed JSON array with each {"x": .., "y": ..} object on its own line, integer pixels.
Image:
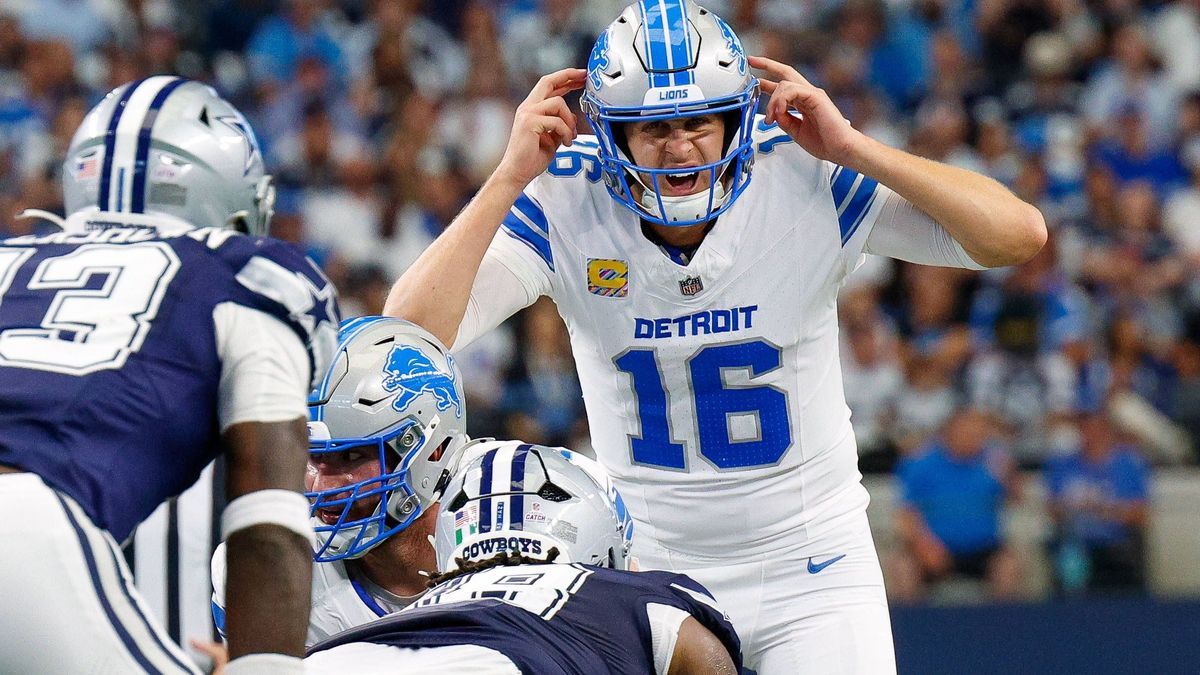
[{"x": 277, "y": 278}]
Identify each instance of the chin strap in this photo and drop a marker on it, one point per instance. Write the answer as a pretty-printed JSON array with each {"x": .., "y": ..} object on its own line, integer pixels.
[{"x": 44, "y": 215}]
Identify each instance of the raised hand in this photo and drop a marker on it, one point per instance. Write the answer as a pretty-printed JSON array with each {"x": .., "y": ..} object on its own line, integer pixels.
[
  {"x": 819, "y": 127},
  {"x": 542, "y": 123}
]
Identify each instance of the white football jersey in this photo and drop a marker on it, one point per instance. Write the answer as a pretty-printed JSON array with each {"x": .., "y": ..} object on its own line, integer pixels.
[
  {"x": 713, "y": 388},
  {"x": 339, "y": 601}
]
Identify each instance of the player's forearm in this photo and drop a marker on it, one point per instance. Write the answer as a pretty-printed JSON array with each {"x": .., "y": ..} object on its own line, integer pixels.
[
  {"x": 268, "y": 591},
  {"x": 993, "y": 225},
  {"x": 433, "y": 293}
]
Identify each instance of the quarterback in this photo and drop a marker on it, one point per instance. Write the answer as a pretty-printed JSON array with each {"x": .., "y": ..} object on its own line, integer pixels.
[{"x": 695, "y": 251}]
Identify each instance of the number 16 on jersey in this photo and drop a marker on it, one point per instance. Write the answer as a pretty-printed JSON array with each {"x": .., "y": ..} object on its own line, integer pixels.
[{"x": 717, "y": 408}]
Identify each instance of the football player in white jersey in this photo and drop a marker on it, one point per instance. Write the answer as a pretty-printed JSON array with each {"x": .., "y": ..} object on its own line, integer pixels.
[{"x": 701, "y": 307}]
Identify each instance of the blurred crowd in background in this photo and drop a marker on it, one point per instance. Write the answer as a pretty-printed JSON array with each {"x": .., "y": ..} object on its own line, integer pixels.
[{"x": 380, "y": 118}]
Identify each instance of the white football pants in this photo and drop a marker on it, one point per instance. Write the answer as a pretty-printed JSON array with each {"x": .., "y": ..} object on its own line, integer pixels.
[
  {"x": 795, "y": 611},
  {"x": 67, "y": 602}
]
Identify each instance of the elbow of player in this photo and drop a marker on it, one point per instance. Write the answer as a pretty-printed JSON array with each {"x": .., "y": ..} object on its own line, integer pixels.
[
  {"x": 1034, "y": 234},
  {"x": 1025, "y": 235}
]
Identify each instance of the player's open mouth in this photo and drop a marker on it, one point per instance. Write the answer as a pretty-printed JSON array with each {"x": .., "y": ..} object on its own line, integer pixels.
[
  {"x": 329, "y": 516},
  {"x": 676, "y": 184}
]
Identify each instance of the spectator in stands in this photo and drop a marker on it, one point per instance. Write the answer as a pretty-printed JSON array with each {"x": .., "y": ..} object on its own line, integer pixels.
[
  {"x": 544, "y": 397},
  {"x": 285, "y": 38},
  {"x": 1185, "y": 402},
  {"x": 952, "y": 497},
  {"x": 1130, "y": 74},
  {"x": 1022, "y": 377},
  {"x": 1099, "y": 503},
  {"x": 872, "y": 376}
]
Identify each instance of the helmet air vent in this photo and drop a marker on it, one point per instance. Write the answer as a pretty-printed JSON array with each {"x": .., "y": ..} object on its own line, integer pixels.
[
  {"x": 460, "y": 500},
  {"x": 552, "y": 493}
]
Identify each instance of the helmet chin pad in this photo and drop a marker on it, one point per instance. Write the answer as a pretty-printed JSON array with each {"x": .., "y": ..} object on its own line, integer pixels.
[{"x": 685, "y": 208}]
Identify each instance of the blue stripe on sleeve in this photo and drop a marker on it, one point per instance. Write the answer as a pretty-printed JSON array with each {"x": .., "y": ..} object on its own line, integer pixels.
[
  {"x": 218, "y": 613},
  {"x": 533, "y": 212},
  {"x": 840, "y": 184},
  {"x": 536, "y": 239},
  {"x": 857, "y": 209}
]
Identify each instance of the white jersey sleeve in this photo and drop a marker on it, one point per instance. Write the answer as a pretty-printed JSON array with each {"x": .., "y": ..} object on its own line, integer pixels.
[
  {"x": 517, "y": 268},
  {"x": 905, "y": 232},
  {"x": 874, "y": 219},
  {"x": 264, "y": 367},
  {"x": 665, "y": 622}
]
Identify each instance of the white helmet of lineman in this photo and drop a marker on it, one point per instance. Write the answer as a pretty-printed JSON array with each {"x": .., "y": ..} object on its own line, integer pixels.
[
  {"x": 168, "y": 145},
  {"x": 667, "y": 59},
  {"x": 396, "y": 392},
  {"x": 526, "y": 499}
]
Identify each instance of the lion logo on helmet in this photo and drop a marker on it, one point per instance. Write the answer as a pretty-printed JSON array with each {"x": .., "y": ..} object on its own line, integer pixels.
[{"x": 410, "y": 372}]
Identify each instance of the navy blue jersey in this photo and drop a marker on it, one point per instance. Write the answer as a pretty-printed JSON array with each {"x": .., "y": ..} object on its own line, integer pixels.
[
  {"x": 109, "y": 368},
  {"x": 549, "y": 619}
]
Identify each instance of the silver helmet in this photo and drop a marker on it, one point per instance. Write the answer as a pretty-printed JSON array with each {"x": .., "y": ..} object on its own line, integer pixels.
[
  {"x": 395, "y": 394},
  {"x": 511, "y": 497},
  {"x": 667, "y": 59},
  {"x": 167, "y": 145}
]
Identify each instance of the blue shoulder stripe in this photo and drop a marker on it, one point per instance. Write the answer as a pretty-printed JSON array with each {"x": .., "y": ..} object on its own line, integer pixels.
[
  {"x": 527, "y": 223},
  {"x": 853, "y": 195},
  {"x": 533, "y": 212},
  {"x": 218, "y": 613}
]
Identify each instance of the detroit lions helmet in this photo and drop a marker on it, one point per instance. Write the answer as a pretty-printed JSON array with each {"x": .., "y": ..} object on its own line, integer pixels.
[
  {"x": 666, "y": 59},
  {"x": 526, "y": 499},
  {"x": 394, "y": 393},
  {"x": 167, "y": 145}
]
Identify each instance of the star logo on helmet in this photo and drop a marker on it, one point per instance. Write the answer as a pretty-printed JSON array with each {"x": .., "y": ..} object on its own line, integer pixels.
[{"x": 239, "y": 125}]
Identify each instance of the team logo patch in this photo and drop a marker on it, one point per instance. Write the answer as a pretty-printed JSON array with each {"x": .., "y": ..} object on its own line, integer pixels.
[
  {"x": 411, "y": 373},
  {"x": 691, "y": 285},
  {"x": 609, "y": 278}
]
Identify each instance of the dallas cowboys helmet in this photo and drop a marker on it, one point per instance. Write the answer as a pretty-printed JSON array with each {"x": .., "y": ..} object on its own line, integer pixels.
[
  {"x": 526, "y": 499},
  {"x": 667, "y": 59},
  {"x": 394, "y": 390},
  {"x": 171, "y": 146}
]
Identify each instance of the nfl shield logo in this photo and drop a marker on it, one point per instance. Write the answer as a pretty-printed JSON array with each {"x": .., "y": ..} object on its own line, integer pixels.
[{"x": 691, "y": 286}]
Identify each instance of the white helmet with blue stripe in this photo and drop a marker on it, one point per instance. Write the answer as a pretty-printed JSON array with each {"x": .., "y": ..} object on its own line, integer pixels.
[
  {"x": 168, "y": 145},
  {"x": 512, "y": 497},
  {"x": 667, "y": 59},
  {"x": 395, "y": 393}
]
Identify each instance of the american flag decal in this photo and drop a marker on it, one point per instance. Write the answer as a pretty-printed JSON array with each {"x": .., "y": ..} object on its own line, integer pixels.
[{"x": 87, "y": 168}]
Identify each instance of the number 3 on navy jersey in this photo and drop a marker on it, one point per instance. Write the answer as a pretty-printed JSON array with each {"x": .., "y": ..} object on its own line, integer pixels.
[
  {"x": 759, "y": 412},
  {"x": 89, "y": 326}
]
